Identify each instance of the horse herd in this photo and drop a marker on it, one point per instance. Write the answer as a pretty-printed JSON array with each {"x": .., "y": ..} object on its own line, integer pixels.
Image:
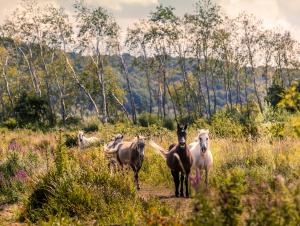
[{"x": 181, "y": 158}]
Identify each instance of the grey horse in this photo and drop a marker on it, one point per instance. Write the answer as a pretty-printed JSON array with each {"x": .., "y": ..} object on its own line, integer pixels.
[{"x": 132, "y": 154}]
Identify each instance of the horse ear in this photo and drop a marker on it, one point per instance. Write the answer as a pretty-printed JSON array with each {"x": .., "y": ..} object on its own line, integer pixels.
[
  {"x": 122, "y": 136},
  {"x": 207, "y": 131},
  {"x": 178, "y": 126},
  {"x": 185, "y": 127},
  {"x": 138, "y": 136}
]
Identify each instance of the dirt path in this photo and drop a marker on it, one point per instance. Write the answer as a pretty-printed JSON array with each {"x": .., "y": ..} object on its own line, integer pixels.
[
  {"x": 166, "y": 195},
  {"x": 8, "y": 215}
]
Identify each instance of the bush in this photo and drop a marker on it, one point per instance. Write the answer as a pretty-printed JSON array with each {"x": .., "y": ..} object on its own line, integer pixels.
[
  {"x": 223, "y": 125},
  {"x": 231, "y": 191},
  {"x": 10, "y": 123},
  {"x": 201, "y": 123},
  {"x": 73, "y": 121},
  {"x": 168, "y": 123},
  {"x": 274, "y": 94},
  {"x": 71, "y": 140},
  {"x": 32, "y": 111},
  {"x": 204, "y": 212},
  {"x": 147, "y": 119},
  {"x": 12, "y": 178},
  {"x": 81, "y": 191},
  {"x": 91, "y": 127}
]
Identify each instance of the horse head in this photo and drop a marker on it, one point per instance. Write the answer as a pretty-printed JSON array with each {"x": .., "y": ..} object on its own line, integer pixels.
[
  {"x": 80, "y": 135},
  {"x": 140, "y": 143},
  {"x": 203, "y": 136},
  {"x": 181, "y": 135}
]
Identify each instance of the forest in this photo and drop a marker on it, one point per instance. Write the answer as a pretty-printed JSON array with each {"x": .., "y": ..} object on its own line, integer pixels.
[{"x": 63, "y": 72}]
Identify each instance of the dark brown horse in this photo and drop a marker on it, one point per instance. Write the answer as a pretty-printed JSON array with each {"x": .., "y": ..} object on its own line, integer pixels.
[{"x": 179, "y": 160}]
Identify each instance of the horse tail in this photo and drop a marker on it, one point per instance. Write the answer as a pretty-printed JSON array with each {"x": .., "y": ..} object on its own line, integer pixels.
[
  {"x": 110, "y": 151},
  {"x": 180, "y": 162},
  {"x": 158, "y": 149}
]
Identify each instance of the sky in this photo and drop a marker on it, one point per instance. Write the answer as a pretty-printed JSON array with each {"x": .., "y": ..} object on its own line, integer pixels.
[{"x": 282, "y": 14}]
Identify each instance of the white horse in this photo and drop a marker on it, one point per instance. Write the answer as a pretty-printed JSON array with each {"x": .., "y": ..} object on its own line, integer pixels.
[
  {"x": 202, "y": 156},
  {"x": 85, "y": 142}
]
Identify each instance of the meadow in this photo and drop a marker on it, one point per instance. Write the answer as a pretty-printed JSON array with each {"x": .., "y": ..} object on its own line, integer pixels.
[{"x": 46, "y": 180}]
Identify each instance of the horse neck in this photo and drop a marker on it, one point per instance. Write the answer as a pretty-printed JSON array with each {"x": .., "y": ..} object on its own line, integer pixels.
[{"x": 182, "y": 150}]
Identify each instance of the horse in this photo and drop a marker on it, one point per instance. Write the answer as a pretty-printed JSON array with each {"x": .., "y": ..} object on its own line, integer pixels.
[
  {"x": 179, "y": 160},
  {"x": 114, "y": 142},
  {"x": 202, "y": 156},
  {"x": 85, "y": 142},
  {"x": 132, "y": 154}
]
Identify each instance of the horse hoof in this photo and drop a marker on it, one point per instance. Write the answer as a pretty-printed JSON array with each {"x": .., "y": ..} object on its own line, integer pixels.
[
  {"x": 181, "y": 195},
  {"x": 176, "y": 195}
]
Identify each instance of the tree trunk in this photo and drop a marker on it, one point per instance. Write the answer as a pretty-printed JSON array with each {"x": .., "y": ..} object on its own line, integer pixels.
[
  {"x": 31, "y": 69},
  {"x": 148, "y": 80},
  {"x": 48, "y": 92},
  {"x": 133, "y": 109},
  {"x": 87, "y": 93},
  {"x": 7, "y": 87}
]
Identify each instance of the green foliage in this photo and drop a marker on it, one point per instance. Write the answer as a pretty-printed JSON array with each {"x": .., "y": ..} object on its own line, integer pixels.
[
  {"x": 10, "y": 123},
  {"x": 71, "y": 140},
  {"x": 91, "y": 126},
  {"x": 32, "y": 111},
  {"x": 274, "y": 94},
  {"x": 157, "y": 213},
  {"x": 73, "y": 121},
  {"x": 277, "y": 206},
  {"x": 291, "y": 98},
  {"x": 146, "y": 119},
  {"x": 169, "y": 123},
  {"x": 225, "y": 125},
  {"x": 204, "y": 212},
  {"x": 80, "y": 191},
  {"x": 231, "y": 190},
  {"x": 12, "y": 179}
]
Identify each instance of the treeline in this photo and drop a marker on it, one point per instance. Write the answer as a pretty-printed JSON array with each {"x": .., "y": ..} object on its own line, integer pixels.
[{"x": 56, "y": 66}]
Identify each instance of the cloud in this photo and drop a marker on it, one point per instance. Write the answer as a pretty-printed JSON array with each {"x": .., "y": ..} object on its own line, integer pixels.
[
  {"x": 121, "y": 4},
  {"x": 274, "y": 13}
]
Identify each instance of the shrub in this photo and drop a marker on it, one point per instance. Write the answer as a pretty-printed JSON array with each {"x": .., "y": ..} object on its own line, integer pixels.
[
  {"x": 147, "y": 119},
  {"x": 12, "y": 178},
  {"x": 231, "y": 191},
  {"x": 201, "y": 123},
  {"x": 81, "y": 191},
  {"x": 168, "y": 123},
  {"x": 204, "y": 211},
  {"x": 32, "y": 111},
  {"x": 91, "y": 127},
  {"x": 73, "y": 121},
  {"x": 222, "y": 125},
  {"x": 10, "y": 123},
  {"x": 274, "y": 94},
  {"x": 71, "y": 140}
]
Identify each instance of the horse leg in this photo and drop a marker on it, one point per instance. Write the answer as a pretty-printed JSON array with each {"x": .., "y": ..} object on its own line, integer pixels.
[
  {"x": 187, "y": 185},
  {"x": 136, "y": 178},
  {"x": 181, "y": 184},
  {"x": 176, "y": 181},
  {"x": 206, "y": 178}
]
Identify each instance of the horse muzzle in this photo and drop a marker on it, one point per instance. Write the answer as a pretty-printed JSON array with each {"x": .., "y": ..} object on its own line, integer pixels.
[{"x": 203, "y": 149}]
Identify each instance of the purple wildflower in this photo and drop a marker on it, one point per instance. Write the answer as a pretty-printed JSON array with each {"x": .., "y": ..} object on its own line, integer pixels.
[
  {"x": 195, "y": 181},
  {"x": 14, "y": 146},
  {"x": 21, "y": 175}
]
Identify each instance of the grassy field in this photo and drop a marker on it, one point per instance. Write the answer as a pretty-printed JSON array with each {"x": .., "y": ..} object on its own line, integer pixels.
[{"x": 45, "y": 182}]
